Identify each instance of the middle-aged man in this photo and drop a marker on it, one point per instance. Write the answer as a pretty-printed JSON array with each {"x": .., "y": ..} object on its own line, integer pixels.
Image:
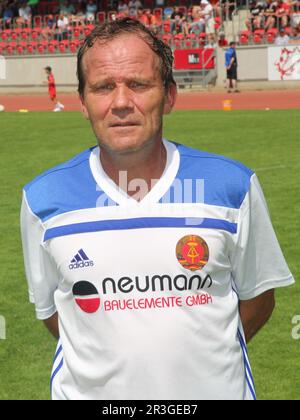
[{"x": 152, "y": 263}]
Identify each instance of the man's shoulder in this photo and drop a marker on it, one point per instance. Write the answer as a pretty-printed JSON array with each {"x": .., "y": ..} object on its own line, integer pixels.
[
  {"x": 59, "y": 189},
  {"x": 226, "y": 181},
  {"x": 59, "y": 173},
  {"x": 222, "y": 162}
]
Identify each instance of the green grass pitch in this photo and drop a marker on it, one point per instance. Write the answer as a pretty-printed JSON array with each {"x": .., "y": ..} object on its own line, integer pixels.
[{"x": 266, "y": 141}]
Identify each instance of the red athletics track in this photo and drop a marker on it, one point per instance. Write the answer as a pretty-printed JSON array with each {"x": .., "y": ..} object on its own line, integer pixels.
[{"x": 276, "y": 99}]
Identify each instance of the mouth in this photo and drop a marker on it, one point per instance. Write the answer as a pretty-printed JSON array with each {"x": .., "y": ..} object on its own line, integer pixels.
[{"x": 123, "y": 124}]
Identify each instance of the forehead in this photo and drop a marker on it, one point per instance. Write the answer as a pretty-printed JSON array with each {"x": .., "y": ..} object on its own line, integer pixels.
[{"x": 123, "y": 54}]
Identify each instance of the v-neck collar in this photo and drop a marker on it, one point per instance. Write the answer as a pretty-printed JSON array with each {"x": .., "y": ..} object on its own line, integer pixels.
[{"x": 119, "y": 196}]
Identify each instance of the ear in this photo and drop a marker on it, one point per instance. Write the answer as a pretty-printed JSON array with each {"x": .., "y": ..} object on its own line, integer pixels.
[
  {"x": 84, "y": 108},
  {"x": 170, "y": 98}
]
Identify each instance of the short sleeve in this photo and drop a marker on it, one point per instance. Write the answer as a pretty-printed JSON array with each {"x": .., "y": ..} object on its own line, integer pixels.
[
  {"x": 41, "y": 273},
  {"x": 257, "y": 260}
]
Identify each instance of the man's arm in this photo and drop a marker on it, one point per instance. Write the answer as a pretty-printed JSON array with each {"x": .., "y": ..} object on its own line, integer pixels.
[
  {"x": 256, "y": 312},
  {"x": 52, "y": 325}
]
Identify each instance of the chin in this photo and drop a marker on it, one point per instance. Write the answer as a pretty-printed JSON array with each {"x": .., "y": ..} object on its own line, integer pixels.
[{"x": 124, "y": 146}]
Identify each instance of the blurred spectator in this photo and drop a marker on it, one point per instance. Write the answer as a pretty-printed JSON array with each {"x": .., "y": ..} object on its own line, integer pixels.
[
  {"x": 224, "y": 9},
  {"x": 255, "y": 20},
  {"x": 270, "y": 14},
  {"x": 148, "y": 19},
  {"x": 24, "y": 15},
  {"x": 222, "y": 42},
  {"x": 67, "y": 8},
  {"x": 282, "y": 39},
  {"x": 294, "y": 35},
  {"x": 141, "y": 16},
  {"x": 282, "y": 14},
  {"x": 177, "y": 21},
  {"x": 79, "y": 17},
  {"x": 62, "y": 27},
  {"x": 49, "y": 30},
  {"x": 123, "y": 8},
  {"x": 133, "y": 6},
  {"x": 8, "y": 14},
  {"x": 91, "y": 9},
  {"x": 198, "y": 24},
  {"x": 207, "y": 14}
]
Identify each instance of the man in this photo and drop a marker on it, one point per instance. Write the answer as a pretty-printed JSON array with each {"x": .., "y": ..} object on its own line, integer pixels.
[
  {"x": 151, "y": 262},
  {"x": 255, "y": 19},
  {"x": 282, "y": 39},
  {"x": 52, "y": 89},
  {"x": 25, "y": 14},
  {"x": 62, "y": 27},
  {"x": 177, "y": 19},
  {"x": 231, "y": 68},
  {"x": 207, "y": 14}
]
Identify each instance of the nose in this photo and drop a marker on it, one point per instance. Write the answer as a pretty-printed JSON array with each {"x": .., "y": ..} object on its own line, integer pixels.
[{"x": 122, "y": 101}]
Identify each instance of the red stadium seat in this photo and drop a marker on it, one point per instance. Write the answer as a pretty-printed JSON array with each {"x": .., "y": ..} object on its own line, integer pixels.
[
  {"x": 158, "y": 12},
  {"x": 73, "y": 47},
  {"x": 244, "y": 37},
  {"x": 167, "y": 38},
  {"x": 14, "y": 35},
  {"x": 5, "y": 35},
  {"x": 37, "y": 21},
  {"x": 11, "y": 48},
  {"x": 63, "y": 46},
  {"x": 35, "y": 33},
  {"x": 24, "y": 35},
  {"x": 30, "y": 47},
  {"x": 273, "y": 31},
  {"x": 76, "y": 32},
  {"x": 2, "y": 47},
  {"x": 20, "y": 49},
  {"x": 88, "y": 29},
  {"x": 188, "y": 43},
  {"x": 51, "y": 48},
  {"x": 166, "y": 26},
  {"x": 183, "y": 9},
  {"x": 270, "y": 38},
  {"x": 101, "y": 17},
  {"x": 41, "y": 48},
  {"x": 177, "y": 43},
  {"x": 258, "y": 36}
]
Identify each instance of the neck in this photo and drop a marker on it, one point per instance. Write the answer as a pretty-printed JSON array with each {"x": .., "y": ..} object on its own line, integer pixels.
[{"x": 136, "y": 173}]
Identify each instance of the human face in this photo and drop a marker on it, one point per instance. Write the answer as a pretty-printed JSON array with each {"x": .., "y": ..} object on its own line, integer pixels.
[{"x": 124, "y": 97}]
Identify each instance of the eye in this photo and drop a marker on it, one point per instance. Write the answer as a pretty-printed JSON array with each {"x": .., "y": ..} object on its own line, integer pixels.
[
  {"x": 105, "y": 87},
  {"x": 137, "y": 85}
]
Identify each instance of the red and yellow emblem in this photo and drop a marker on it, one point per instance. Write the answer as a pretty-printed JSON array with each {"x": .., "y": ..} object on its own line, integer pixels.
[{"x": 192, "y": 252}]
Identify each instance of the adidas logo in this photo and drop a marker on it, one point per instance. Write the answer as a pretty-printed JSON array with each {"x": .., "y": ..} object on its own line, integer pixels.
[{"x": 80, "y": 260}]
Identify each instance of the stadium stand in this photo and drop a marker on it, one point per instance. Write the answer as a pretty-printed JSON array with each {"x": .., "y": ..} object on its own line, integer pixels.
[{"x": 55, "y": 27}]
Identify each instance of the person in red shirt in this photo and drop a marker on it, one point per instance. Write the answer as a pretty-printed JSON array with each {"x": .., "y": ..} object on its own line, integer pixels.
[
  {"x": 283, "y": 14},
  {"x": 222, "y": 42},
  {"x": 52, "y": 89}
]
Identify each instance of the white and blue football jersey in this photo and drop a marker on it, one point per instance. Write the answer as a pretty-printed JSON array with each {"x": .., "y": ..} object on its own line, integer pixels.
[{"x": 147, "y": 292}]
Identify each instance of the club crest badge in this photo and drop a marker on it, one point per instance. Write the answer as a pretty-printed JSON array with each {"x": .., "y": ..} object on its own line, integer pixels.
[
  {"x": 192, "y": 252},
  {"x": 86, "y": 296}
]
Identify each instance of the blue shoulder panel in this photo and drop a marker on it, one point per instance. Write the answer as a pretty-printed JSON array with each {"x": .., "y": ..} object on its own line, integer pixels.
[
  {"x": 210, "y": 179},
  {"x": 66, "y": 187}
]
